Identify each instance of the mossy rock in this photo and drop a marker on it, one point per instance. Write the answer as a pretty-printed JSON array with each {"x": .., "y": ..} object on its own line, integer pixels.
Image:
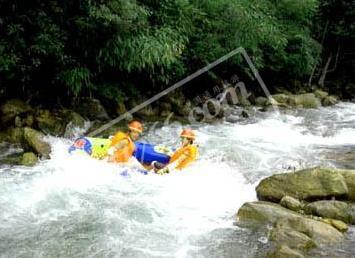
[
  {"x": 281, "y": 98},
  {"x": 254, "y": 214},
  {"x": 329, "y": 101},
  {"x": 292, "y": 238},
  {"x": 308, "y": 184},
  {"x": 320, "y": 94},
  {"x": 291, "y": 203},
  {"x": 349, "y": 177},
  {"x": 92, "y": 109},
  {"x": 330, "y": 209},
  {"x": 12, "y": 108},
  {"x": 73, "y": 122},
  {"x": 283, "y": 251},
  {"x": 50, "y": 123},
  {"x": 35, "y": 140},
  {"x": 29, "y": 159},
  {"x": 308, "y": 100},
  {"x": 14, "y": 135}
]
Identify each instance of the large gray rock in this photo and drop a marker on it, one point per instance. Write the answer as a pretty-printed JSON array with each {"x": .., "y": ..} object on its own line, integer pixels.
[
  {"x": 349, "y": 177},
  {"x": 260, "y": 213},
  {"x": 283, "y": 251},
  {"x": 307, "y": 100},
  {"x": 291, "y": 238},
  {"x": 308, "y": 184},
  {"x": 320, "y": 94},
  {"x": 74, "y": 122},
  {"x": 35, "y": 140},
  {"x": 12, "y": 108},
  {"x": 331, "y": 209},
  {"x": 320, "y": 232},
  {"x": 291, "y": 203},
  {"x": 329, "y": 101}
]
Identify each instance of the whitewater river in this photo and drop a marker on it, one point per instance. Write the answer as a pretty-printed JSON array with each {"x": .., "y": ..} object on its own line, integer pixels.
[{"x": 80, "y": 207}]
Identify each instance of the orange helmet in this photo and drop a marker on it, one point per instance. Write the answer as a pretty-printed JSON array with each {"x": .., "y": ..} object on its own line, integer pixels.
[
  {"x": 135, "y": 126},
  {"x": 188, "y": 133}
]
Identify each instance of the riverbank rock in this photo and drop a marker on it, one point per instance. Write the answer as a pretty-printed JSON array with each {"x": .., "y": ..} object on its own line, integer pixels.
[
  {"x": 35, "y": 140},
  {"x": 320, "y": 94},
  {"x": 14, "y": 135},
  {"x": 74, "y": 122},
  {"x": 349, "y": 177},
  {"x": 283, "y": 251},
  {"x": 29, "y": 159},
  {"x": 329, "y": 101},
  {"x": 291, "y": 238},
  {"x": 12, "y": 108},
  {"x": 307, "y": 100},
  {"x": 260, "y": 214},
  {"x": 308, "y": 184},
  {"x": 50, "y": 123},
  {"x": 291, "y": 203},
  {"x": 331, "y": 209},
  {"x": 92, "y": 109}
]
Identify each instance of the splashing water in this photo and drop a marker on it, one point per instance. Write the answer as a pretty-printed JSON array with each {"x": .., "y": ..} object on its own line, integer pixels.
[{"x": 74, "y": 206}]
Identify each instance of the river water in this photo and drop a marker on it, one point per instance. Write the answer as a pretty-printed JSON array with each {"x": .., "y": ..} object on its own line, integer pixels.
[{"x": 79, "y": 207}]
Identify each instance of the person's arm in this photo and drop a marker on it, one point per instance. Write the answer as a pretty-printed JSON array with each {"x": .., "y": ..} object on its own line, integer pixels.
[
  {"x": 172, "y": 165},
  {"x": 112, "y": 150}
]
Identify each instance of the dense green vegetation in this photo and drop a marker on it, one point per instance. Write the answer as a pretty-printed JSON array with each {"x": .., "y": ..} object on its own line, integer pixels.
[{"x": 113, "y": 49}]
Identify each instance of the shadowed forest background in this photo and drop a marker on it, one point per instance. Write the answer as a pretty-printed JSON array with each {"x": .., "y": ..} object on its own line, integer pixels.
[{"x": 123, "y": 51}]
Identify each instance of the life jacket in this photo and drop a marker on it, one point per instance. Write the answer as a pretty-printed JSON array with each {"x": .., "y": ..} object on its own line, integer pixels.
[
  {"x": 123, "y": 154},
  {"x": 190, "y": 152}
]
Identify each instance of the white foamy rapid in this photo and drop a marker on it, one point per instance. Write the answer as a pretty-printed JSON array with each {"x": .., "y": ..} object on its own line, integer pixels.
[{"x": 74, "y": 206}]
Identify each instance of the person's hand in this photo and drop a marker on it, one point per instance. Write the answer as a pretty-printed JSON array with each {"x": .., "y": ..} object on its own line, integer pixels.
[
  {"x": 111, "y": 151},
  {"x": 163, "y": 171}
]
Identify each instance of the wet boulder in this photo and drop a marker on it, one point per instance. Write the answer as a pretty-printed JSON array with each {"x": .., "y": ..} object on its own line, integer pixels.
[
  {"x": 35, "y": 141},
  {"x": 320, "y": 232},
  {"x": 329, "y": 101},
  {"x": 261, "y": 213},
  {"x": 349, "y": 177},
  {"x": 262, "y": 102},
  {"x": 331, "y": 209},
  {"x": 12, "y": 108},
  {"x": 308, "y": 184},
  {"x": 291, "y": 238},
  {"x": 281, "y": 98},
  {"x": 14, "y": 135},
  {"x": 291, "y": 203},
  {"x": 320, "y": 94},
  {"x": 29, "y": 159},
  {"x": 74, "y": 122},
  {"x": 283, "y": 251},
  {"x": 307, "y": 100}
]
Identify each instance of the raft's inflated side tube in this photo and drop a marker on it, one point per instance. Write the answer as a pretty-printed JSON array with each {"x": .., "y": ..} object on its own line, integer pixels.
[{"x": 145, "y": 153}]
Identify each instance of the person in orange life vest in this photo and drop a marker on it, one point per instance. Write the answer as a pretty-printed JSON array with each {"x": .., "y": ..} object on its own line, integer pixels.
[
  {"x": 122, "y": 144},
  {"x": 183, "y": 156}
]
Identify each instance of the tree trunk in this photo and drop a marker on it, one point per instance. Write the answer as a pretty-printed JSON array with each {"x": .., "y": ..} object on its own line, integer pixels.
[{"x": 324, "y": 72}]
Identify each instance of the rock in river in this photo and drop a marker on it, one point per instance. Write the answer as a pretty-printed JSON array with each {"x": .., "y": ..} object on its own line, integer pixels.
[
  {"x": 308, "y": 184},
  {"x": 35, "y": 140}
]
